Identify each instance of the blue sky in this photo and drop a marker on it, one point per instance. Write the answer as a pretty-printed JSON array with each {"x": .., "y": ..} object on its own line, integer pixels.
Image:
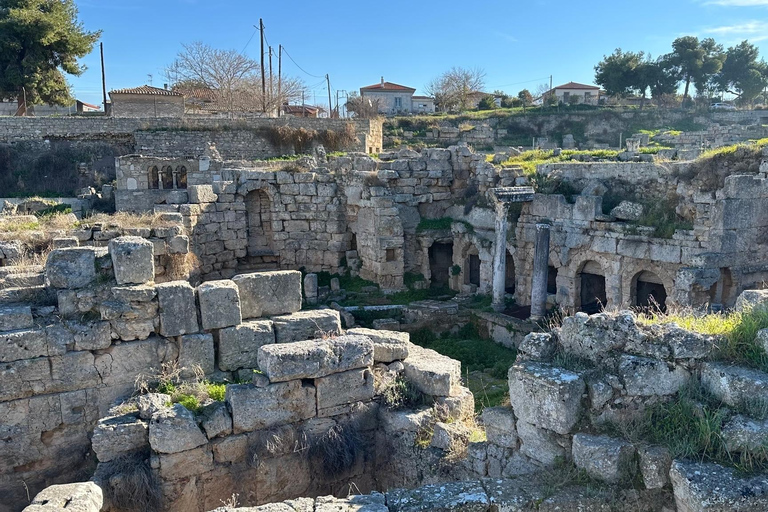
[{"x": 518, "y": 44}]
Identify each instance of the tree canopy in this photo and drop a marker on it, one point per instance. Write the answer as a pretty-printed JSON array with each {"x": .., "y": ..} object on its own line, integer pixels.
[
  {"x": 40, "y": 41},
  {"x": 742, "y": 73},
  {"x": 451, "y": 90}
]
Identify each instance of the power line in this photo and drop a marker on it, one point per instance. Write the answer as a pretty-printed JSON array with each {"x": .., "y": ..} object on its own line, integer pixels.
[
  {"x": 249, "y": 41},
  {"x": 302, "y": 69}
]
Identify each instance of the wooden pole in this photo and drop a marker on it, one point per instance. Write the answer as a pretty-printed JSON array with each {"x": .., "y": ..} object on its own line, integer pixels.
[{"x": 263, "y": 78}]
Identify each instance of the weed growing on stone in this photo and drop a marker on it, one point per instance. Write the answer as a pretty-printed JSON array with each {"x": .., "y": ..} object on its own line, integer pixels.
[
  {"x": 192, "y": 394},
  {"x": 336, "y": 450},
  {"x": 441, "y": 224}
]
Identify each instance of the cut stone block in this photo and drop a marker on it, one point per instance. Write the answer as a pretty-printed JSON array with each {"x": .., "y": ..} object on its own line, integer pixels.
[
  {"x": 175, "y": 430},
  {"x": 467, "y": 496},
  {"x": 25, "y": 344},
  {"x": 189, "y": 463},
  {"x": 446, "y": 436},
  {"x": 269, "y": 293},
  {"x": 239, "y": 345},
  {"x": 432, "y": 373},
  {"x": 700, "y": 487},
  {"x": 374, "y": 502},
  {"x": 71, "y": 268},
  {"x": 306, "y": 325},
  {"x": 91, "y": 336},
  {"x": 545, "y": 396},
  {"x": 150, "y": 403},
  {"x": 500, "y": 426},
  {"x": 594, "y": 337},
  {"x": 201, "y": 194},
  {"x": 196, "y": 351},
  {"x": 133, "y": 259},
  {"x": 315, "y": 358},
  {"x": 344, "y": 388},
  {"x": 388, "y": 346},
  {"x": 643, "y": 376},
  {"x": 117, "y": 435},
  {"x": 605, "y": 458},
  {"x": 742, "y": 434},
  {"x": 178, "y": 313},
  {"x": 310, "y": 288},
  {"x": 15, "y": 317},
  {"x": 459, "y": 406},
  {"x": 655, "y": 462},
  {"x": 537, "y": 346},
  {"x": 750, "y": 299},
  {"x": 219, "y": 304},
  {"x": 215, "y": 420},
  {"x": 79, "y": 497},
  {"x": 734, "y": 385},
  {"x": 539, "y": 444},
  {"x": 277, "y": 404}
]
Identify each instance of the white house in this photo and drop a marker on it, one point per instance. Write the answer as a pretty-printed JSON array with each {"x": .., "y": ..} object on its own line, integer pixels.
[
  {"x": 588, "y": 94},
  {"x": 397, "y": 99}
]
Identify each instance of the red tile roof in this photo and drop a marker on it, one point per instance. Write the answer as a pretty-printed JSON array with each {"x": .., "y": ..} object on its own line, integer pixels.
[
  {"x": 387, "y": 86},
  {"x": 146, "y": 89},
  {"x": 574, "y": 85},
  {"x": 89, "y": 105}
]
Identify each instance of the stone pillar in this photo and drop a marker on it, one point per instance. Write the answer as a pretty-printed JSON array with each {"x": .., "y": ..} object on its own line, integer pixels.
[
  {"x": 500, "y": 257},
  {"x": 310, "y": 289},
  {"x": 540, "y": 273}
]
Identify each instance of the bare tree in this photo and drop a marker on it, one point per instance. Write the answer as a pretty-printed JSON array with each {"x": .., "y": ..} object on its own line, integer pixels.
[
  {"x": 452, "y": 89},
  {"x": 364, "y": 108}
]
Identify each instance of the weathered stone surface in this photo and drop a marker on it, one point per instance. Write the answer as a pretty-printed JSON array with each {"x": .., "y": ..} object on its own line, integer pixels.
[
  {"x": 500, "y": 426},
  {"x": 344, "y": 388},
  {"x": 277, "y": 404},
  {"x": 467, "y": 496},
  {"x": 310, "y": 288},
  {"x": 762, "y": 339},
  {"x": 374, "y": 502},
  {"x": 196, "y": 353},
  {"x": 743, "y": 434},
  {"x": 219, "y": 304},
  {"x": 545, "y": 396},
  {"x": 25, "y": 344},
  {"x": 195, "y": 462},
  {"x": 604, "y": 458},
  {"x": 306, "y": 325},
  {"x": 686, "y": 344},
  {"x": 269, "y": 293},
  {"x": 239, "y": 345},
  {"x": 78, "y": 497},
  {"x": 15, "y": 317},
  {"x": 600, "y": 393},
  {"x": 749, "y": 299},
  {"x": 315, "y": 358},
  {"x": 71, "y": 268},
  {"x": 138, "y": 293},
  {"x": 174, "y": 430},
  {"x": 150, "y": 403},
  {"x": 537, "y": 346},
  {"x": 700, "y": 487},
  {"x": 654, "y": 462},
  {"x": 397, "y": 421},
  {"x": 512, "y": 495},
  {"x": 459, "y": 406},
  {"x": 539, "y": 444},
  {"x": 594, "y": 337},
  {"x": 91, "y": 336},
  {"x": 117, "y": 435},
  {"x": 627, "y": 210},
  {"x": 178, "y": 313},
  {"x": 449, "y": 436},
  {"x": 643, "y": 376},
  {"x": 133, "y": 259},
  {"x": 215, "y": 420},
  {"x": 432, "y": 373},
  {"x": 734, "y": 385},
  {"x": 388, "y": 346}
]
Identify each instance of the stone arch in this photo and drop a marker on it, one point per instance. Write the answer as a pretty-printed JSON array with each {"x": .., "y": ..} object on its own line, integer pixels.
[
  {"x": 590, "y": 289},
  {"x": 648, "y": 291},
  {"x": 154, "y": 178},
  {"x": 166, "y": 177},
  {"x": 181, "y": 176},
  {"x": 440, "y": 256},
  {"x": 258, "y": 208}
]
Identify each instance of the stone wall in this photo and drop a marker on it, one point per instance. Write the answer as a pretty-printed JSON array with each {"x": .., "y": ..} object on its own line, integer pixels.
[{"x": 147, "y": 105}]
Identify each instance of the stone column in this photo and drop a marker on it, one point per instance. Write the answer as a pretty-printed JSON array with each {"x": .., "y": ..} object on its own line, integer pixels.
[
  {"x": 540, "y": 273},
  {"x": 500, "y": 257}
]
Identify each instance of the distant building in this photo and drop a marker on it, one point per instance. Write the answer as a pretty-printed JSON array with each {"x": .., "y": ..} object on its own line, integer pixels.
[
  {"x": 84, "y": 108},
  {"x": 587, "y": 94},
  {"x": 397, "y": 99},
  {"x": 302, "y": 110},
  {"x": 9, "y": 108},
  {"x": 146, "y": 101},
  {"x": 475, "y": 97}
]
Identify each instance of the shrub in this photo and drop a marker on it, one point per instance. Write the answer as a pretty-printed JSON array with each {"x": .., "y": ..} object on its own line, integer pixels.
[
  {"x": 336, "y": 450},
  {"x": 132, "y": 485}
]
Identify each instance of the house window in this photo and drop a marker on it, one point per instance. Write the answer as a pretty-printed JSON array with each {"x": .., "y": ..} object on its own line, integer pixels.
[
  {"x": 391, "y": 255},
  {"x": 398, "y": 102}
]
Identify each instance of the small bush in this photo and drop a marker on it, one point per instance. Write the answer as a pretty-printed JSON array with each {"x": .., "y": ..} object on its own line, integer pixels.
[
  {"x": 336, "y": 450},
  {"x": 401, "y": 394},
  {"x": 132, "y": 485}
]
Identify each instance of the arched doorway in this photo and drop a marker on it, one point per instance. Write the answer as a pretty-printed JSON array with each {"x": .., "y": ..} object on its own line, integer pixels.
[
  {"x": 166, "y": 177},
  {"x": 258, "y": 210},
  {"x": 154, "y": 178},
  {"x": 552, "y": 280},
  {"x": 649, "y": 291},
  {"x": 509, "y": 279},
  {"x": 440, "y": 261},
  {"x": 592, "y": 296}
]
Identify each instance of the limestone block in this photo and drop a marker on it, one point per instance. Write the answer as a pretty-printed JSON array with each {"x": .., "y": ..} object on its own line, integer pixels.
[
  {"x": 269, "y": 293},
  {"x": 239, "y": 345},
  {"x": 306, "y": 325},
  {"x": 605, "y": 458},
  {"x": 25, "y": 344},
  {"x": 594, "y": 337},
  {"x": 432, "y": 373},
  {"x": 374, "y": 502},
  {"x": 469, "y": 496},
  {"x": 133, "y": 259},
  {"x": 15, "y": 317},
  {"x": 230, "y": 449},
  {"x": 447, "y": 436},
  {"x": 459, "y": 406},
  {"x": 150, "y": 403},
  {"x": 388, "y": 346},
  {"x": 78, "y": 497},
  {"x": 686, "y": 344},
  {"x": 500, "y": 426},
  {"x": 344, "y": 388},
  {"x": 178, "y": 313},
  {"x": 91, "y": 336},
  {"x": 643, "y": 376},
  {"x": 627, "y": 210},
  {"x": 195, "y": 462},
  {"x": 749, "y": 299},
  {"x": 140, "y": 293},
  {"x": 178, "y": 244},
  {"x": 315, "y": 358},
  {"x": 201, "y": 194},
  {"x": 397, "y": 421},
  {"x": 219, "y": 304},
  {"x": 116, "y": 435},
  {"x": 71, "y": 268},
  {"x": 174, "y": 430},
  {"x": 539, "y": 444},
  {"x": 196, "y": 351},
  {"x": 654, "y": 462},
  {"x": 545, "y": 396},
  {"x": 537, "y": 346},
  {"x": 743, "y": 434},
  {"x": 216, "y": 420},
  {"x": 734, "y": 385},
  {"x": 310, "y": 288},
  {"x": 701, "y": 486},
  {"x": 600, "y": 393},
  {"x": 277, "y": 404}
]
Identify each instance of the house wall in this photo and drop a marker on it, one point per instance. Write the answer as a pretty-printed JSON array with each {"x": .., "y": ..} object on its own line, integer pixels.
[
  {"x": 146, "y": 105},
  {"x": 591, "y": 96},
  {"x": 387, "y": 101},
  {"x": 419, "y": 105}
]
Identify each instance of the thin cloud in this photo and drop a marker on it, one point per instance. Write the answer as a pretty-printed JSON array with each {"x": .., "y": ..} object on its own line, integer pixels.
[
  {"x": 738, "y": 3},
  {"x": 753, "y": 31}
]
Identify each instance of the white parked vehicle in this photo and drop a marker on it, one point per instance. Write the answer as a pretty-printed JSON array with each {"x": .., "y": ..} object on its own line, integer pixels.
[{"x": 722, "y": 106}]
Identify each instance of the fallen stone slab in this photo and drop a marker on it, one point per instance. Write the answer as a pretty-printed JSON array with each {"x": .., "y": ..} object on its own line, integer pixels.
[
  {"x": 78, "y": 497},
  {"x": 702, "y": 486},
  {"x": 432, "y": 373},
  {"x": 388, "y": 346},
  {"x": 256, "y": 408},
  {"x": 734, "y": 385},
  {"x": 306, "y": 325},
  {"x": 545, "y": 395},
  {"x": 269, "y": 293},
  {"x": 133, "y": 259},
  {"x": 315, "y": 358},
  {"x": 175, "y": 430},
  {"x": 605, "y": 458},
  {"x": 467, "y": 496}
]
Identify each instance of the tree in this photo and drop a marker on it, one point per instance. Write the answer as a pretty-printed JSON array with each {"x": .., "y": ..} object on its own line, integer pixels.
[
  {"x": 617, "y": 74},
  {"x": 742, "y": 73},
  {"x": 486, "y": 103},
  {"x": 695, "y": 61},
  {"x": 525, "y": 97},
  {"x": 40, "y": 41},
  {"x": 364, "y": 108},
  {"x": 451, "y": 90}
]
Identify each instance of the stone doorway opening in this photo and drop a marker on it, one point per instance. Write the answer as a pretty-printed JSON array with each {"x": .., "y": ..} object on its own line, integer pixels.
[
  {"x": 474, "y": 269},
  {"x": 440, "y": 261},
  {"x": 592, "y": 295},
  {"x": 649, "y": 292},
  {"x": 551, "y": 280},
  {"x": 509, "y": 279},
  {"x": 261, "y": 255}
]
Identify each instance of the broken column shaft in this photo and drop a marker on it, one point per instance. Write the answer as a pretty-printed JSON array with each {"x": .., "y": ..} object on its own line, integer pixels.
[{"x": 500, "y": 257}]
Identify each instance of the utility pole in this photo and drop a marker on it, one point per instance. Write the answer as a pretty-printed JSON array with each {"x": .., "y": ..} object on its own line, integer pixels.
[
  {"x": 330, "y": 105},
  {"x": 551, "y": 92},
  {"x": 279, "y": 78},
  {"x": 263, "y": 78},
  {"x": 271, "y": 88},
  {"x": 103, "y": 78}
]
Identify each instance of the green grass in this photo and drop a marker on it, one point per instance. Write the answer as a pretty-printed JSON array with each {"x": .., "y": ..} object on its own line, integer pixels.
[
  {"x": 443, "y": 223},
  {"x": 529, "y": 160}
]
